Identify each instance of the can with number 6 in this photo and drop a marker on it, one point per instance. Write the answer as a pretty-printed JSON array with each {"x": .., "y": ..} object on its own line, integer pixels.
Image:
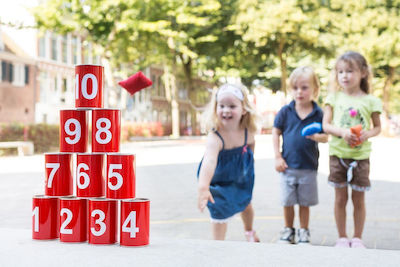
[
  {"x": 89, "y": 86},
  {"x": 106, "y": 130},
  {"x": 90, "y": 175},
  {"x": 73, "y": 130},
  {"x": 121, "y": 177},
  {"x": 73, "y": 219},
  {"x": 103, "y": 221},
  {"x": 135, "y": 222}
]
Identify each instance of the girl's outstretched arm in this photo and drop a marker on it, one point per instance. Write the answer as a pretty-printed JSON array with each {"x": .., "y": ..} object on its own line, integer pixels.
[
  {"x": 346, "y": 134},
  {"x": 376, "y": 122},
  {"x": 213, "y": 146}
]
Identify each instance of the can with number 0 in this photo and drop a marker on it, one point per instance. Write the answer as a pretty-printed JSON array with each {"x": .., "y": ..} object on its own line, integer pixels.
[{"x": 89, "y": 86}]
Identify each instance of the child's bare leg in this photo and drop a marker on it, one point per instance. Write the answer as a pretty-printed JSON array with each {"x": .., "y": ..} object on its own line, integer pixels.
[
  {"x": 304, "y": 214},
  {"x": 341, "y": 198},
  {"x": 219, "y": 230},
  {"x": 248, "y": 217},
  {"x": 288, "y": 214},
  {"x": 359, "y": 212}
]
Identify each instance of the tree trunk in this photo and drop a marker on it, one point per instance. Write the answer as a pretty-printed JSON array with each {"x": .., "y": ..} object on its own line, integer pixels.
[
  {"x": 386, "y": 96},
  {"x": 187, "y": 70},
  {"x": 171, "y": 94},
  {"x": 282, "y": 59}
]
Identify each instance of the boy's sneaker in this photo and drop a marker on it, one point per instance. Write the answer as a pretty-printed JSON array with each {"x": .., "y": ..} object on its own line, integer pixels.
[
  {"x": 342, "y": 242},
  {"x": 303, "y": 236},
  {"x": 287, "y": 236}
]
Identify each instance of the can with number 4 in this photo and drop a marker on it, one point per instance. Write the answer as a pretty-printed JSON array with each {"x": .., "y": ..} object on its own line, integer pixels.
[
  {"x": 120, "y": 176},
  {"x": 135, "y": 222}
]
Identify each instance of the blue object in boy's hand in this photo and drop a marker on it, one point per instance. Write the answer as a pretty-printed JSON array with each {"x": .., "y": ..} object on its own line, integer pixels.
[{"x": 311, "y": 129}]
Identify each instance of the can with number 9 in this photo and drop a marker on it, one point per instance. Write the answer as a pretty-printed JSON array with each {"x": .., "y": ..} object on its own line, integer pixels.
[{"x": 73, "y": 130}]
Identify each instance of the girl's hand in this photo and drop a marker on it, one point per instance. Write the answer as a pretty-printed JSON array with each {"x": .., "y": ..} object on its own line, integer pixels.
[
  {"x": 204, "y": 197},
  {"x": 349, "y": 137},
  {"x": 364, "y": 135},
  {"x": 280, "y": 164}
]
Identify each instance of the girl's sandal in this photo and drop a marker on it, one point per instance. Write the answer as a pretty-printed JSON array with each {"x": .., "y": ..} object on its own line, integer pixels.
[{"x": 251, "y": 236}]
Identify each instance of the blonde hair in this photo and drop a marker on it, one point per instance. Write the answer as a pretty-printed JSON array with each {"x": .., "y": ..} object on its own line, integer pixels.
[
  {"x": 354, "y": 59},
  {"x": 248, "y": 120},
  {"x": 305, "y": 71}
]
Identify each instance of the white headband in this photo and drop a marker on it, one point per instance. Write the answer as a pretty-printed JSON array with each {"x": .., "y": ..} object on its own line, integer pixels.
[{"x": 232, "y": 89}]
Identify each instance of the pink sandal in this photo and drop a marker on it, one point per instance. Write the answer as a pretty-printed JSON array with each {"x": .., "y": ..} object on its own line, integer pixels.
[
  {"x": 357, "y": 243},
  {"x": 251, "y": 236}
]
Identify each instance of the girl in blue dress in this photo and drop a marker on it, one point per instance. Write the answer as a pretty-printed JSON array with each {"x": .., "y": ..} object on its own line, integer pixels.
[{"x": 226, "y": 173}]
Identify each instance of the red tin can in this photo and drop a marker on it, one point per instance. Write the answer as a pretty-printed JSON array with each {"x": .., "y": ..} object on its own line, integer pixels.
[
  {"x": 58, "y": 170},
  {"x": 89, "y": 86},
  {"x": 45, "y": 223},
  {"x": 73, "y": 130},
  {"x": 121, "y": 177},
  {"x": 90, "y": 181},
  {"x": 135, "y": 222},
  {"x": 103, "y": 221},
  {"x": 106, "y": 130},
  {"x": 73, "y": 219}
]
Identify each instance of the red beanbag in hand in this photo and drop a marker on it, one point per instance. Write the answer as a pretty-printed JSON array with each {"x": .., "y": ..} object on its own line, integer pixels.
[{"x": 135, "y": 83}]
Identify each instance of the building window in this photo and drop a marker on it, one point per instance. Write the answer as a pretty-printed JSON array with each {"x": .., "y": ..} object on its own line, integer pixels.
[
  {"x": 75, "y": 50},
  {"x": 64, "y": 47},
  {"x": 19, "y": 75},
  {"x": 54, "y": 49},
  {"x": 26, "y": 74},
  {"x": 42, "y": 47},
  {"x": 10, "y": 72}
]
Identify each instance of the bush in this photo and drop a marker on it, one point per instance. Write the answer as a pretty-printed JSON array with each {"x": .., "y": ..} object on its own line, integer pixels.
[{"x": 142, "y": 129}]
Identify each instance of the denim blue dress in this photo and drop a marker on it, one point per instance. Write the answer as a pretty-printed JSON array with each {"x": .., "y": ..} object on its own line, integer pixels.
[{"x": 233, "y": 181}]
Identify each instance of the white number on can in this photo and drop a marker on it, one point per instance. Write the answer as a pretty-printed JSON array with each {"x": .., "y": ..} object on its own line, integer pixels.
[
  {"x": 132, "y": 229},
  {"x": 105, "y": 129},
  {"x": 117, "y": 175},
  {"x": 35, "y": 214},
  {"x": 79, "y": 174},
  {"x": 76, "y": 133},
  {"x": 84, "y": 83},
  {"x": 100, "y": 222},
  {"x": 54, "y": 167},
  {"x": 63, "y": 229}
]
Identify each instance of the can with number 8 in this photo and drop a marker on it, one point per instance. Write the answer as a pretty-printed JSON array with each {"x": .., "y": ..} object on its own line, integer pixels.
[
  {"x": 106, "y": 130},
  {"x": 102, "y": 221},
  {"x": 89, "y": 86},
  {"x": 121, "y": 176},
  {"x": 135, "y": 222},
  {"x": 73, "y": 130}
]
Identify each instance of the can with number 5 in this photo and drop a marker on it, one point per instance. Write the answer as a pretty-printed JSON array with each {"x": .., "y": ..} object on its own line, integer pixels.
[
  {"x": 106, "y": 130},
  {"x": 121, "y": 177}
]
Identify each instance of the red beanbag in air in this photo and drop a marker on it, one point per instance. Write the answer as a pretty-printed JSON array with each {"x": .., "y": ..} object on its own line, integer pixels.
[{"x": 135, "y": 83}]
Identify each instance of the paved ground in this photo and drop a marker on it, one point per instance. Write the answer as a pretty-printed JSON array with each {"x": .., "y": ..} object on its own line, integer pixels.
[{"x": 166, "y": 172}]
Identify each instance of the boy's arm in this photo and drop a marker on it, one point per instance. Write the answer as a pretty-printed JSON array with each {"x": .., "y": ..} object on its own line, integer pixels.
[
  {"x": 280, "y": 163},
  {"x": 207, "y": 169},
  {"x": 319, "y": 137}
]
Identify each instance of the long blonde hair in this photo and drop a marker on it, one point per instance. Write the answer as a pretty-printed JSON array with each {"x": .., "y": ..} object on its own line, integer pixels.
[
  {"x": 354, "y": 59},
  {"x": 305, "y": 71},
  {"x": 248, "y": 120}
]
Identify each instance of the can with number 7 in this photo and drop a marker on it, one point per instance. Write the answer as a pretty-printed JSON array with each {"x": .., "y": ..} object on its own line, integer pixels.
[
  {"x": 121, "y": 176},
  {"x": 135, "y": 222},
  {"x": 58, "y": 171}
]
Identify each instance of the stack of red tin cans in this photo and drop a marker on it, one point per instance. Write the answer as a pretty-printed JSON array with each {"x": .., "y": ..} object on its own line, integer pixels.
[{"x": 87, "y": 208}]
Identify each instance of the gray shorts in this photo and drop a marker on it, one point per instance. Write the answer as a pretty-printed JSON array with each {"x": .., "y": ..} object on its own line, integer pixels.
[{"x": 299, "y": 187}]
